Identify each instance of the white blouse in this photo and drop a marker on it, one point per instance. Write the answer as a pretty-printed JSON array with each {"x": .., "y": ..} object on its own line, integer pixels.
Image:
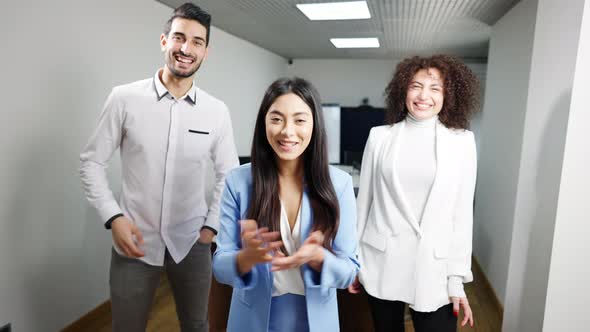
[{"x": 289, "y": 281}]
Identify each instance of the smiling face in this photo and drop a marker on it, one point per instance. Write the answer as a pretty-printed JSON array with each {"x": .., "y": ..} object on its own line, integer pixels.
[
  {"x": 185, "y": 47},
  {"x": 289, "y": 126},
  {"x": 425, "y": 95}
]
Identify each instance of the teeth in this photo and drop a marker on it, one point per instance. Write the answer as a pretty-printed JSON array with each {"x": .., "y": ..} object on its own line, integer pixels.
[
  {"x": 184, "y": 60},
  {"x": 287, "y": 143},
  {"x": 422, "y": 106}
]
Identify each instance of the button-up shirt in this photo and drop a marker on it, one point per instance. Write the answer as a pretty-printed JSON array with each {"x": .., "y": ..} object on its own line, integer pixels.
[{"x": 167, "y": 147}]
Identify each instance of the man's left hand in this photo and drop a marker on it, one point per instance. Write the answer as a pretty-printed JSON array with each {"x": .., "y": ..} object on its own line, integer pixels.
[{"x": 206, "y": 236}]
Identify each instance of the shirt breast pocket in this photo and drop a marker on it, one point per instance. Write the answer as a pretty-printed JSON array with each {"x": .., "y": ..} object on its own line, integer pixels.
[{"x": 197, "y": 143}]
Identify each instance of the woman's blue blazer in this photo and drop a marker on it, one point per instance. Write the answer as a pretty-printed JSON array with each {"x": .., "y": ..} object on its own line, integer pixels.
[{"x": 251, "y": 298}]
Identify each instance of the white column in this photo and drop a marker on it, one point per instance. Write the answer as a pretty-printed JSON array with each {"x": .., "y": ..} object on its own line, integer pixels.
[
  {"x": 568, "y": 289},
  {"x": 549, "y": 106}
]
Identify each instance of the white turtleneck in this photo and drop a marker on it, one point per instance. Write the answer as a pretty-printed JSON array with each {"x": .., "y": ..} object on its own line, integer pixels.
[
  {"x": 416, "y": 162},
  {"x": 416, "y": 169}
]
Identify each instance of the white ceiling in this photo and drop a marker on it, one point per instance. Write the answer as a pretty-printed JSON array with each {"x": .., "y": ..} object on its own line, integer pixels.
[{"x": 404, "y": 27}]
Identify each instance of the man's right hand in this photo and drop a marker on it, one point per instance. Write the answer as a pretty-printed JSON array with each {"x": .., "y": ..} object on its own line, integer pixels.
[{"x": 123, "y": 231}]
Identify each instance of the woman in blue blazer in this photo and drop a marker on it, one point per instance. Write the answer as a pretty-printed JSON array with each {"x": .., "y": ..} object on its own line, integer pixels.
[{"x": 288, "y": 221}]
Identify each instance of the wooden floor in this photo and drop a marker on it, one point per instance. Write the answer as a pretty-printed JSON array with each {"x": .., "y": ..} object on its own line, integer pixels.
[{"x": 354, "y": 311}]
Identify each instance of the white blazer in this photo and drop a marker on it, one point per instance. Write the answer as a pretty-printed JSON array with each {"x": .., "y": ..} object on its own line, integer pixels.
[{"x": 402, "y": 259}]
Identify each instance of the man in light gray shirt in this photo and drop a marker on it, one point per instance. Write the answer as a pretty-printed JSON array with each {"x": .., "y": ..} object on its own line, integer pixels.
[{"x": 169, "y": 133}]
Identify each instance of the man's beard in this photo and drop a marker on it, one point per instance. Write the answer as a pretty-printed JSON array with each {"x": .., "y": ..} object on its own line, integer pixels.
[
  {"x": 183, "y": 74},
  {"x": 175, "y": 72}
]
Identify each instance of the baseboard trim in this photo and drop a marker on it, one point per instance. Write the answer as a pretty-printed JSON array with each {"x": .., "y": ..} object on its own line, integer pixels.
[
  {"x": 488, "y": 288},
  {"x": 98, "y": 313}
]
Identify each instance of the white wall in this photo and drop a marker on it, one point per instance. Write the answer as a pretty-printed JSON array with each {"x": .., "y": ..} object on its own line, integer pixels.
[
  {"x": 501, "y": 131},
  {"x": 60, "y": 60},
  {"x": 554, "y": 53},
  {"x": 568, "y": 291},
  {"x": 346, "y": 82},
  {"x": 524, "y": 126}
]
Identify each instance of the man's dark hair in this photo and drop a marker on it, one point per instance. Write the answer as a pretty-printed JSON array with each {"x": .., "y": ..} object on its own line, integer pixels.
[{"x": 190, "y": 11}]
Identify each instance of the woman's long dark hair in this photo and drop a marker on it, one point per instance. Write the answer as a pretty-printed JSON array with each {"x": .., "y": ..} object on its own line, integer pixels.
[{"x": 264, "y": 205}]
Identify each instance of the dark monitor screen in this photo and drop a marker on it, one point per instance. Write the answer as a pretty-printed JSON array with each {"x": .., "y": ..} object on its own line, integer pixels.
[{"x": 355, "y": 125}]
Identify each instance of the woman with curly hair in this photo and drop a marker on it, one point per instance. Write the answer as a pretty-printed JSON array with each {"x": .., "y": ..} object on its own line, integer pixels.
[{"x": 415, "y": 200}]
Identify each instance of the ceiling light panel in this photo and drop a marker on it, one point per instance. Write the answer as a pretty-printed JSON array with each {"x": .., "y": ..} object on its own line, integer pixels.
[
  {"x": 355, "y": 42},
  {"x": 350, "y": 10}
]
